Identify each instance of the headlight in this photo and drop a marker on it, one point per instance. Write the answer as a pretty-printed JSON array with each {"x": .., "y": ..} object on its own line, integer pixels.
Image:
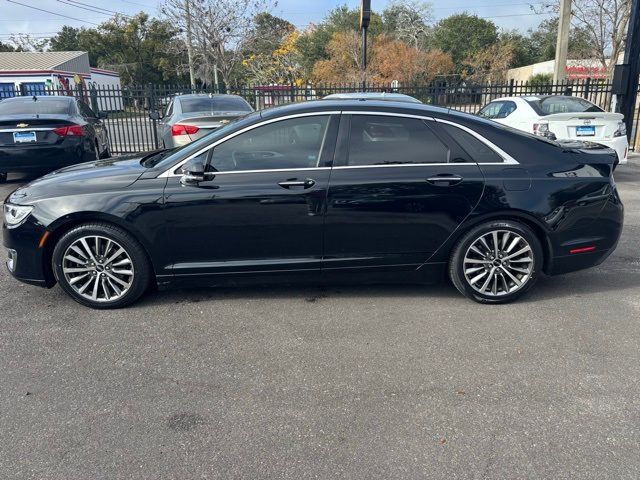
[
  {"x": 14, "y": 215},
  {"x": 621, "y": 131}
]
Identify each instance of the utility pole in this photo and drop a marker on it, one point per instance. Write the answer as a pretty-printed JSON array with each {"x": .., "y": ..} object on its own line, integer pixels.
[
  {"x": 562, "y": 45},
  {"x": 625, "y": 77},
  {"x": 192, "y": 76},
  {"x": 365, "y": 18}
]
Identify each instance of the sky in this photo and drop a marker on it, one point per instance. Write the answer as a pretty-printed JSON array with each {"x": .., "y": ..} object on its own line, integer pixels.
[{"x": 14, "y": 18}]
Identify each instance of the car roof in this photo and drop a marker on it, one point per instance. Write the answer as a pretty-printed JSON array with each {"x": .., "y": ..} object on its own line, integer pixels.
[
  {"x": 387, "y": 96},
  {"x": 354, "y": 104},
  {"x": 39, "y": 98},
  {"x": 206, "y": 95}
]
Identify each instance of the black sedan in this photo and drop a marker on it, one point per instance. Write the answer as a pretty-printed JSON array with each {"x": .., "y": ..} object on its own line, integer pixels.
[
  {"x": 325, "y": 191},
  {"x": 40, "y": 134}
]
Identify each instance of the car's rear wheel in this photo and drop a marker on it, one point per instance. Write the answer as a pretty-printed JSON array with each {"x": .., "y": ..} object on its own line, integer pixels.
[
  {"x": 496, "y": 262},
  {"x": 101, "y": 266}
]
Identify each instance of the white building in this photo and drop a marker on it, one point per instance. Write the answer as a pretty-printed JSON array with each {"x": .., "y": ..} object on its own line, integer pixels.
[{"x": 58, "y": 73}]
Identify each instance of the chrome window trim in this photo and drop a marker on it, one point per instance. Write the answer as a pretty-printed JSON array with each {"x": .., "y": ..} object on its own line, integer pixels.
[
  {"x": 508, "y": 159},
  {"x": 171, "y": 172}
]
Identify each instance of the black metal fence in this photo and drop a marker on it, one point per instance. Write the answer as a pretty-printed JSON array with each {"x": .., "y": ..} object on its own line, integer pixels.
[{"x": 132, "y": 129}]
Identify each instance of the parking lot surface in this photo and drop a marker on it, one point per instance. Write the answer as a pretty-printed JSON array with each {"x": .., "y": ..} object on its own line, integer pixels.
[{"x": 308, "y": 382}]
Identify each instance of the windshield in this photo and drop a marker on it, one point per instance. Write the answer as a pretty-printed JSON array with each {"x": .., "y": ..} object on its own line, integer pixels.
[
  {"x": 551, "y": 105},
  {"x": 41, "y": 106},
  {"x": 214, "y": 104},
  {"x": 166, "y": 157}
]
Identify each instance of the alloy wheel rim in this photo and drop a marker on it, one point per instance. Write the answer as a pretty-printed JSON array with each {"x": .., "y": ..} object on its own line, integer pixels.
[
  {"x": 498, "y": 263},
  {"x": 98, "y": 268}
]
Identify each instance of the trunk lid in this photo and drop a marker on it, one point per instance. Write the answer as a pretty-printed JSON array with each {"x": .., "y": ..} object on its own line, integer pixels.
[
  {"x": 583, "y": 125},
  {"x": 21, "y": 130}
]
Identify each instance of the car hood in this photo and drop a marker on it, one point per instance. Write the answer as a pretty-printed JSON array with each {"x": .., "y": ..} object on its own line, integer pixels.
[{"x": 96, "y": 176}]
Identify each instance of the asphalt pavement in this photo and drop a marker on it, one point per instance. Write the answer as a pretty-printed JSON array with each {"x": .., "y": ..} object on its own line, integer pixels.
[{"x": 354, "y": 382}]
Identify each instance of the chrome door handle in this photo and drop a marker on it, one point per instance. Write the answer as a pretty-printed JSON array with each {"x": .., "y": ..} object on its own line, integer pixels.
[
  {"x": 445, "y": 180},
  {"x": 306, "y": 183}
]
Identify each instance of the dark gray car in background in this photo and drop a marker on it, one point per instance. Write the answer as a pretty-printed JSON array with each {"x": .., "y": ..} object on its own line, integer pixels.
[{"x": 189, "y": 117}]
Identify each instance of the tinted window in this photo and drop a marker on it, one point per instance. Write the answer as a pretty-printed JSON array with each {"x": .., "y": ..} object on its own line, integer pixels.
[
  {"x": 381, "y": 140},
  {"x": 501, "y": 109},
  {"x": 551, "y": 105},
  {"x": 478, "y": 150},
  {"x": 214, "y": 104},
  {"x": 294, "y": 143},
  {"x": 42, "y": 106}
]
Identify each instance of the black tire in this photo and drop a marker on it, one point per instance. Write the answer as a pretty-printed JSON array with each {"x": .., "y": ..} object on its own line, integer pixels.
[
  {"x": 504, "y": 295},
  {"x": 140, "y": 265},
  {"x": 3, "y": 177}
]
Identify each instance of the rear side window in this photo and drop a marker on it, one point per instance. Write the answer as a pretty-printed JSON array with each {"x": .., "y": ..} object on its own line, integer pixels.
[
  {"x": 41, "y": 106},
  {"x": 477, "y": 149},
  {"x": 383, "y": 140},
  {"x": 551, "y": 105},
  {"x": 501, "y": 109}
]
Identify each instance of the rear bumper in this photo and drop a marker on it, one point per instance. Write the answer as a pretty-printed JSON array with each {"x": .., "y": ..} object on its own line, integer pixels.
[
  {"x": 619, "y": 144},
  {"x": 42, "y": 159},
  {"x": 603, "y": 234}
]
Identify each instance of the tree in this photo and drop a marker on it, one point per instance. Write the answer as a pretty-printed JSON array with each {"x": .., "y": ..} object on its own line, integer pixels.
[
  {"x": 408, "y": 21},
  {"x": 23, "y": 42},
  {"x": 313, "y": 44},
  {"x": 5, "y": 47},
  {"x": 489, "y": 65},
  {"x": 396, "y": 60},
  {"x": 281, "y": 65},
  {"x": 462, "y": 35},
  {"x": 606, "y": 23},
  {"x": 345, "y": 60},
  {"x": 221, "y": 29},
  {"x": 542, "y": 41}
]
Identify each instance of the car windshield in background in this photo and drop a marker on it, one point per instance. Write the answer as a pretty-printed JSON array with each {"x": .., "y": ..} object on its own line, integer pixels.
[
  {"x": 41, "y": 106},
  {"x": 551, "y": 105},
  {"x": 215, "y": 104}
]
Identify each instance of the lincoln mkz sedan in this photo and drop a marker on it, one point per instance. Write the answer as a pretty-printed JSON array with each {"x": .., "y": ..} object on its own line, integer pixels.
[{"x": 326, "y": 191}]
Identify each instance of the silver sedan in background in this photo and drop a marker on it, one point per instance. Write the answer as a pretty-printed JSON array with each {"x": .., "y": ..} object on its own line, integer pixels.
[{"x": 189, "y": 117}]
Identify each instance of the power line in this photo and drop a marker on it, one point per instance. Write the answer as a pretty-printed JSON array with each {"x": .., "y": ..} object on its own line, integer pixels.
[
  {"x": 91, "y": 8},
  {"x": 52, "y": 13}
]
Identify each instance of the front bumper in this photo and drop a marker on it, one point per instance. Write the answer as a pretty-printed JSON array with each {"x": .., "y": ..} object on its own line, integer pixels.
[{"x": 27, "y": 259}]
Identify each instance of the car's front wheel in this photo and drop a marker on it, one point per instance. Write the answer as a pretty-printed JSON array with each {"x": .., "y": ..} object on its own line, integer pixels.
[
  {"x": 101, "y": 266},
  {"x": 496, "y": 262}
]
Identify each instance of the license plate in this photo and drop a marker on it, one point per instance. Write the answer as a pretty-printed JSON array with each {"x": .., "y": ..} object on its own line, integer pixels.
[
  {"x": 24, "y": 137},
  {"x": 586, "y": 131}
]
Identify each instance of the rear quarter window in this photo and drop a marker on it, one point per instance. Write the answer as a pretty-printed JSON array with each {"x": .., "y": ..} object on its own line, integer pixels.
[{"x": 479, "y": 151}]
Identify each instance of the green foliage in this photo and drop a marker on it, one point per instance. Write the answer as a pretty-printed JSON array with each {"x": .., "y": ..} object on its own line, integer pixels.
[
  {"x": 543, "y": 39},
  {"x": 312, "y": 43},
  {"x": 5, "y": 47},
  {"x": 463, "y": 35}
]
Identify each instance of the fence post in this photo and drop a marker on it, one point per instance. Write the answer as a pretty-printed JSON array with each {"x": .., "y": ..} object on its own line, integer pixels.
[
  {"x": 152, "y": 106},
  {"x": 511, "y": 82},
  {"x": 587, "y": 86}
]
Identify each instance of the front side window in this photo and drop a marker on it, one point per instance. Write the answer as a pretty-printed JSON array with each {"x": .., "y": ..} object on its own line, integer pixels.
[
  {"x": 500, "y": 109},
  {"x": 291, "y": 144},
  {"x": 85, "y": 111},
  {"x": 387, "y": 140},
  {"x": 479, "y": 151}
]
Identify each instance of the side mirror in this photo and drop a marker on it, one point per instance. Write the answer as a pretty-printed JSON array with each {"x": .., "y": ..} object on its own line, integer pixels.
[
  {"x": 102, "y": 115},
  {"x": 154, "y": 115},
  {"x": 193, "y": 172}
]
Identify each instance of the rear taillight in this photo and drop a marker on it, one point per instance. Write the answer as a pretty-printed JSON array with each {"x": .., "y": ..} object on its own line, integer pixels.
[
  {"x": 179, "y": 129},
  {"x": 69, "y": 131},
  {"x": 541, "y": 129},
  {"x": 621, "y": 130}
]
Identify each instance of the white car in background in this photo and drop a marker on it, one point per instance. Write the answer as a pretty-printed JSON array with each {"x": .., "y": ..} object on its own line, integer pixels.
[{"x": 562, "y": 118}]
